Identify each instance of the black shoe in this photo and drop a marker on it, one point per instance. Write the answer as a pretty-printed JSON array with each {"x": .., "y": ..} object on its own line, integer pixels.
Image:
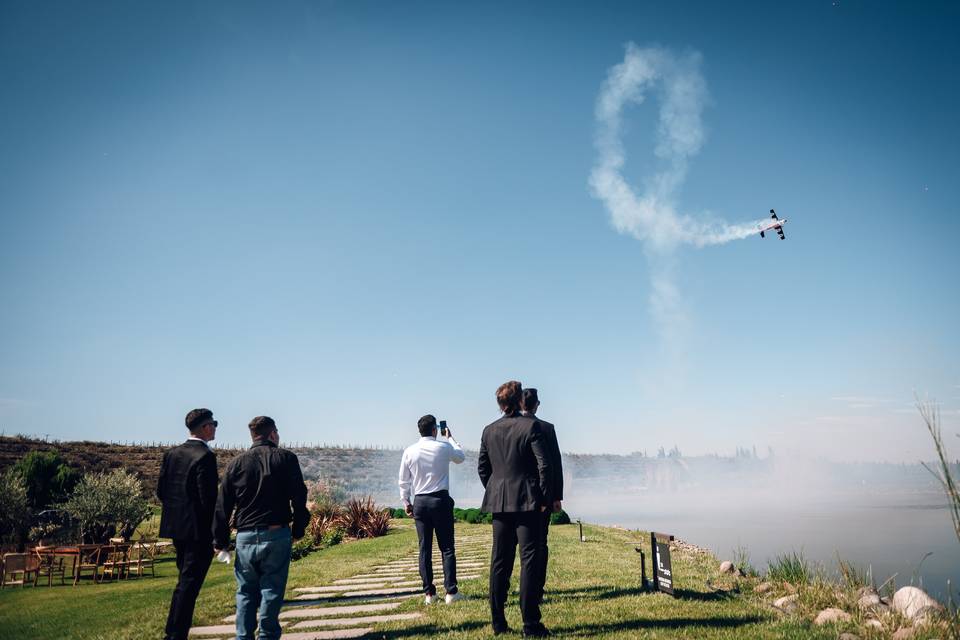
[{"x": 539, "y": 631}]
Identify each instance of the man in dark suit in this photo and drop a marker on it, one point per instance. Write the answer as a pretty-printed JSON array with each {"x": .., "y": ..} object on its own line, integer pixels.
[
  {"x": 515, "y": 471},
  {"x": 188, "y": 491},
  {"x": 529, "y": 402}
]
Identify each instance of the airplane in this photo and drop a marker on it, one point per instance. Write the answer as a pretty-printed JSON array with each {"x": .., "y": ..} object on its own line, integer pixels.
[{"x": 777, "y": 224}]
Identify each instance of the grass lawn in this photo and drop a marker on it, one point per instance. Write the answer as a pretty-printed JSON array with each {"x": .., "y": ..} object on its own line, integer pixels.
[{"x": 592, "y": 591}]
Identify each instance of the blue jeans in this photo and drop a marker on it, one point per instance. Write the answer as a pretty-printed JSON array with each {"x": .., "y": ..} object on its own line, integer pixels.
[{"x": 262, "y": 563}]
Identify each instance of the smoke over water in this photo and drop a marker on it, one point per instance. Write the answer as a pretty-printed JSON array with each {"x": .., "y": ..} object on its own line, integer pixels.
[{"x": 651, "y": 215}]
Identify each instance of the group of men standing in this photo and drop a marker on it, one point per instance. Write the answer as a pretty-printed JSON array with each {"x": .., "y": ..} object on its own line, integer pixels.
[
  {"x": 522, "y": 475},
  {"x": 261, "y": 494}
]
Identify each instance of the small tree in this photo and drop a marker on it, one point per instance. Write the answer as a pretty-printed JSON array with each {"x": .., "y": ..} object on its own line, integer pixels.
[
  {"x": 107, "y": 504},
  {"x": 49, "y": 479},
  {"x": 15, "y": 512}
]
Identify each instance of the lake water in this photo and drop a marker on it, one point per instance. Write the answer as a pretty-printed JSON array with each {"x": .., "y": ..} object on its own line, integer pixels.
[{"x": 890, "y": 535}]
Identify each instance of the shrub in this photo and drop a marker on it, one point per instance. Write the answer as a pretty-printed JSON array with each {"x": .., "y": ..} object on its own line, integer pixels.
[
  {"x": 362, "y": 519},
  {"x": 301, "y": 549},
  {"x": 321, "y": 493},
  {"x": 323, "y": 519},
  {"x": 15, "y": 511},
  {"x": 790, "y": 567},
  {"x": 559, "y": 517},
  {"x": 47, "y": 476},
  {"x": 107, "y": 504},
  {"x": 472, "y": 516},
  {"x": 397, "y": 513}
]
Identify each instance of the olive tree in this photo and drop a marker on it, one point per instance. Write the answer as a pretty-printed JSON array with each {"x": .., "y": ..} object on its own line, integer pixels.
[{"x": 107, "y": 504}]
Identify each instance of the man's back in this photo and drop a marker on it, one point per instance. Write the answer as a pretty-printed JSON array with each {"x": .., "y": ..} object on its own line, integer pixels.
[
  {"x": 513, "y": 465},
  {"x": 552, "y": 447},
  {"x": 263, "y": 486},
  {"x": 187, "y": 487},
  {"x": 425, "y": 466}
]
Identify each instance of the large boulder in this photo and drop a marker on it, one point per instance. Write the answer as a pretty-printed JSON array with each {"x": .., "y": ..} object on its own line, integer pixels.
[
  {"x": 787, "y": 604},
  {"x": 832, "y": 615},
  {"x": 914, "y": 603},
  {"x": 904, "y": 633},
  {"x": 727, "y": 567}
]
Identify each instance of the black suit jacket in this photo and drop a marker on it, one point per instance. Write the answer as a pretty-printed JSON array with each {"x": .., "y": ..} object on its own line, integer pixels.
[
  {"x": 553, "y": 455},
  {"x": 188, "y": 490},
  {"x": 514, "y": 467}
]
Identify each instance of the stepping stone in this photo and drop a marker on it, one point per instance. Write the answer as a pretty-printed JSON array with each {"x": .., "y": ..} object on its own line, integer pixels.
[
  {"x": 328, "y": 611},
  {"x": 365, "y": 580},
  {"x": 342, "y": 598},
  {"x": 328, "y": 635},
  {"x": 327, "y": 589},
  {"x": 381, "y": 576},
  {"x": 215, "y": 630},
  {"x": 380, "y": 592},
  {"x": 346, "y": 622}
]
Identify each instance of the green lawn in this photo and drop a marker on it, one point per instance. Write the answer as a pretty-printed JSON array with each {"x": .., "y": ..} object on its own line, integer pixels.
[{"x": 592, "y": 591}]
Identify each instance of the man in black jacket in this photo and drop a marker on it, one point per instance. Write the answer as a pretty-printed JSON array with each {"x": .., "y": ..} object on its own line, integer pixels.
[
  {"x": 263, "y": 490},
  {"x": 529, "y": 402},
  {"x": 515, "y": 471},
  {"x": 188, "y": 491}
]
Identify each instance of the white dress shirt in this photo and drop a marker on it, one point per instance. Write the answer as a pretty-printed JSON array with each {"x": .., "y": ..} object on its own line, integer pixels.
[{"x": 425, "y": 466}]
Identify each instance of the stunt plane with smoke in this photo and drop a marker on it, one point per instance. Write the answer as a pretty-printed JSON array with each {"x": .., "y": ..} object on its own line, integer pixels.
[{"x": 776, "y": 224}]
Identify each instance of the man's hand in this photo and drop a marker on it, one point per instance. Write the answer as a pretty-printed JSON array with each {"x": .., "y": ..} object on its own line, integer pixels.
[
  {"x": 409, "y": 509},
  {"x": 449, "y": 434},
  {"x": 556, "y": 506},
  {"x": 543, "y": 509}
]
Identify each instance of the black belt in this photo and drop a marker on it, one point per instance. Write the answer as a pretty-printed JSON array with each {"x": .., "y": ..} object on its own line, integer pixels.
[
  {"x": 443, "y": 493},
  {"x": 269, "y": 527}
]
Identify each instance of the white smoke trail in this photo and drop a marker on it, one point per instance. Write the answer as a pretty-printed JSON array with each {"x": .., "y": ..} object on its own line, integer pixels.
[{"x": 651, "y": 216}]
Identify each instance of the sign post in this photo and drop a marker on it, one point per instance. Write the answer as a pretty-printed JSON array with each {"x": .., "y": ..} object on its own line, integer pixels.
[{"x": 662, "y": 571}]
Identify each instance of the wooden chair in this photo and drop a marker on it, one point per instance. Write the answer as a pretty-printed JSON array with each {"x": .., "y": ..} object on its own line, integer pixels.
[
  {"x": 114, "y": 559},
  {"x": 24, "y": 564},
  {"x": 88, "y": 559},
  {"x": 142, "y": 557},
  {"x": 49, "y": 564}
]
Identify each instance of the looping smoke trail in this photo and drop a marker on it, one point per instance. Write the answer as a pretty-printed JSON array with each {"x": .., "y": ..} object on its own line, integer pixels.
[{"x": 651, "y": 216}]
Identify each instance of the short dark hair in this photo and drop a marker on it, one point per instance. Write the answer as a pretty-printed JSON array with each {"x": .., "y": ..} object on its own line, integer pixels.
[
  {"x": 508, "y": 396},
  {"x": 529, "y": 399},
  {"x": 426, "y": 425},
  {"x": 262, "y": 426},
  {"x": 197, "y": 418}
]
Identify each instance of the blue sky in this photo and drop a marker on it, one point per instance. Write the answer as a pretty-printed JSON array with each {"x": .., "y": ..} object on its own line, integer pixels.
[{"x": 346, "y": 215}]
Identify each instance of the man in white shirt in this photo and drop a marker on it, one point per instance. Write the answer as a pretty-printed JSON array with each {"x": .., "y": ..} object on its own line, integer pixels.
[{"x": 425, "y": 492}]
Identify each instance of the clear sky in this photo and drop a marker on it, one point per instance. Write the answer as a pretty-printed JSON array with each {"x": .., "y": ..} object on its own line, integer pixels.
[{"x": 347, "y": 214}]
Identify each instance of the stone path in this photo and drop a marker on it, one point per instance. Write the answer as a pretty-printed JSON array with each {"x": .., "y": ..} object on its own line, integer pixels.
[{"x": 351, "y": 605}]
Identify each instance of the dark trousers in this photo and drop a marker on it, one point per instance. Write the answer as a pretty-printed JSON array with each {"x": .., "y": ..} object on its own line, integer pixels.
[
  {"x": 544, "y": 553},
  {"x": 193, "y": 561},
  {"x": 509, "y": 529},
  {"x": 433, "y": 512}
]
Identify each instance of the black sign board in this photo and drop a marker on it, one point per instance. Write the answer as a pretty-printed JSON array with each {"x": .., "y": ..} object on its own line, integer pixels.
[{"x": 662, "y": 572}]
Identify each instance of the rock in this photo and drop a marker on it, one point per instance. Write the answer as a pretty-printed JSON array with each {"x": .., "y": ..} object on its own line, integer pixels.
[
  {"x": 832, "y": 615},
  {"x": 787, "y": 604},
  {"x": 904, "y": 634},
  {"x": 868, "y": 601},
  {"x": 876, "y": 625},
  {"x": 727, "y": 567},
  {"x": 848, "y": 636},
  {"x": 913, "y": 603},
  {"x": 763, "y": 587}
]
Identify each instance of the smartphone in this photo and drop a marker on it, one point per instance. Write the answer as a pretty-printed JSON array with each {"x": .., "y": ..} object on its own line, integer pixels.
[{"x": 443, "y": 427}]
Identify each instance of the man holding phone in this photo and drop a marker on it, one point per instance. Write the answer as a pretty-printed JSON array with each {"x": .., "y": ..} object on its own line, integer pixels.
[{"x": 425, "y": 491}]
